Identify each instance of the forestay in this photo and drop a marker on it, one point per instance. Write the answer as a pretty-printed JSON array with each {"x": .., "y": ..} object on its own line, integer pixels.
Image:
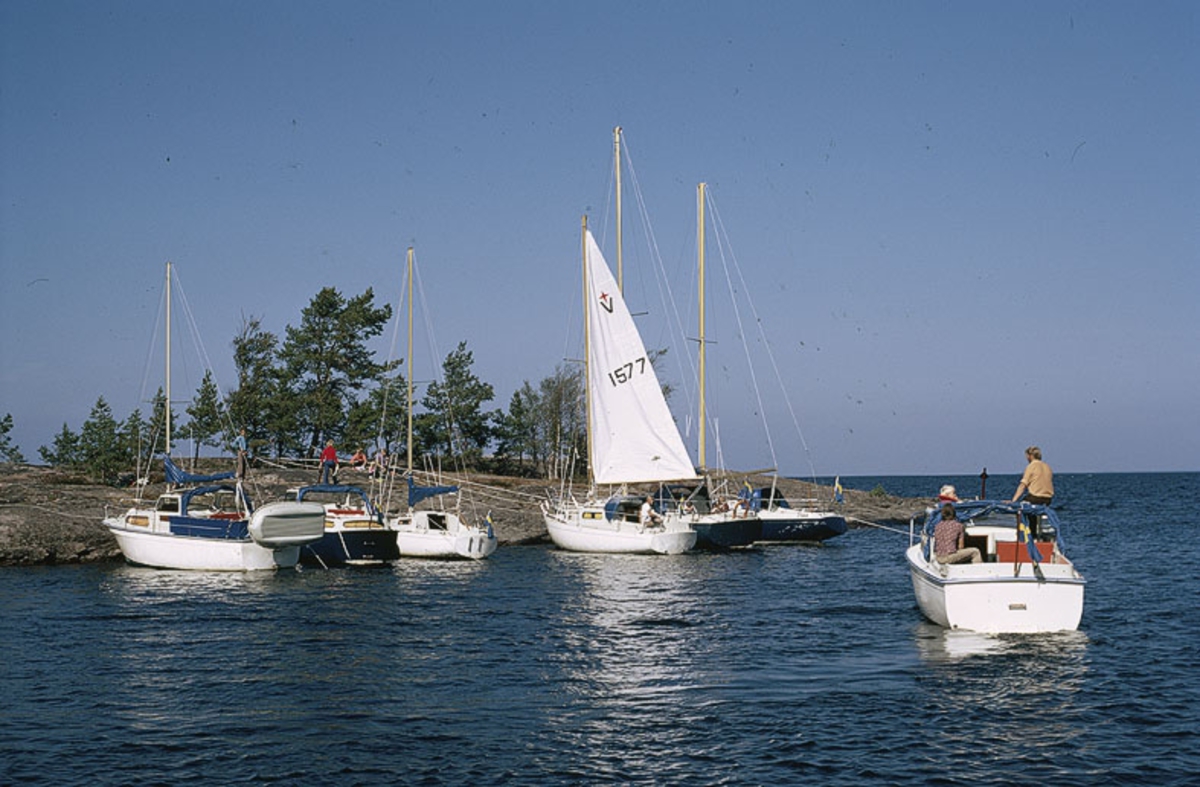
[{"x": 634, "y": 437}]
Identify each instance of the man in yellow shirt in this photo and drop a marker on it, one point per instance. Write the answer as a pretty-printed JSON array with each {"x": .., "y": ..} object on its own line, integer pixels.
[{"x": 1038, "y": 480}]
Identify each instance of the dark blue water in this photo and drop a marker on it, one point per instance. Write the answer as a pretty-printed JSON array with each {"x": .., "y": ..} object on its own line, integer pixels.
[{"x": 775, "y": 666}]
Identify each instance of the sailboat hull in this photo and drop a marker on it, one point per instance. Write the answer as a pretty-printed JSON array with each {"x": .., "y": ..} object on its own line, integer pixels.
[
  {"x": 165, "y": 550},
  {"x": 441, "y": 535},
  {"x": 783, "y": 525},
  {"x": 719, "y": 533},
  {"x": 586, "y": 529}
]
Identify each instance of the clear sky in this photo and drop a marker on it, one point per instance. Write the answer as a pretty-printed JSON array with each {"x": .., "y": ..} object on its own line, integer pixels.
[{"x": 969, "y": 227}]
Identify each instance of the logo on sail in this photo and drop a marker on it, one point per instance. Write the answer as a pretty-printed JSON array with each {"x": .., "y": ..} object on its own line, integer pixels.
[{"x": 606, "y": 302}]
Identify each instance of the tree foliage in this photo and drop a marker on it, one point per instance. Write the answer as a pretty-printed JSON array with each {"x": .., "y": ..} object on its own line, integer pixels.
[
  {"x": 455, "y": 424},
  {"x": 100, "y": 445},
  {"x": 205, "y": 416},
  {"x": 326, "y": 361},
  {"x": 9, "y": 452}
]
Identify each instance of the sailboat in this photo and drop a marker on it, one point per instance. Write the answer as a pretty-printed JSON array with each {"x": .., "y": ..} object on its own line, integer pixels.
[
  {"x": 727, "y": 522},
  {"x": 632, "y": 438},
  {"x": 434, "y": 533},
  {"x": 203, "y": 525}
]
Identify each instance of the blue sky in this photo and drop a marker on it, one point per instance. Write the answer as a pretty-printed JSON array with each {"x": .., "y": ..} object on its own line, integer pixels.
[{"x": 968, "y": 227}]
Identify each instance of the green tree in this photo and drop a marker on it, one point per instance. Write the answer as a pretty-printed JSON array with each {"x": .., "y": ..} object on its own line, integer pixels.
[
  {"x": 456, "y": 424},
  {"x": 64, "y": 451},
  {"x": 205, "y": 416},
  {"x": 158, "y": 423},
  {"x": 256, "y": 404},
  {"x": 100, "y": 444},
  {"x": 136, "y": 438},
  {"x": 326, "y": 360},
  {"x": 8, "y": 451},
  {"x": 562, "y": 422},
  {"x": 516, "y": 432},
  {"x": 380, "y": 418}
]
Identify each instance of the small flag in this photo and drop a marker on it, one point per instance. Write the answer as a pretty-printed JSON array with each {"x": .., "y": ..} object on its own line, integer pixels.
[{"x": 837, "y": 490}]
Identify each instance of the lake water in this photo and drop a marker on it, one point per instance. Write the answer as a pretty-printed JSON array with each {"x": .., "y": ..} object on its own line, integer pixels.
[{"x": 771, "y": 666}]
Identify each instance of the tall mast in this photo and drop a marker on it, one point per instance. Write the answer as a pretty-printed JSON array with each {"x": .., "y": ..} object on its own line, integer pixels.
[
  {"x": 700, "y": 190},
  {"x": 410, "y": 363},
  {"x": 167, "y": 408},
  {"x": 617, "y": 167},
  {"x": 587, "y": 351}
]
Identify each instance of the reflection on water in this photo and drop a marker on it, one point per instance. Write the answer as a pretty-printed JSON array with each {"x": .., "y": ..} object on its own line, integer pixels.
[{"x": 771, "y": 666}]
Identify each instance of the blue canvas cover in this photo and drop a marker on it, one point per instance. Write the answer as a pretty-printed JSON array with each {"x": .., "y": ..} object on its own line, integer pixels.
[
  {"x": 177, "y": 476},
  {"x": 418, "y": 493}
]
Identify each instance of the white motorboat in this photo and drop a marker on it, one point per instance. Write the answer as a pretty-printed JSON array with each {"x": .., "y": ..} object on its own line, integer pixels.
[
  {"x": 1025, "y": 584},
  {"x": 215, "y": 528}
]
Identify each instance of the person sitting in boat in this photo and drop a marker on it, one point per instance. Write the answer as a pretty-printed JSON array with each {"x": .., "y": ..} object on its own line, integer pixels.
[
  {"x": 359, "y": 460},
  {"x": 648, "y": 516},
  {"x": 948, "y": 538},
  {"x": 947, "y": 494}
]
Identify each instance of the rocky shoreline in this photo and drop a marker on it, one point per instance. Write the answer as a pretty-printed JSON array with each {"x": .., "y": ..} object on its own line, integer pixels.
[{"x": 48, "y": 517}]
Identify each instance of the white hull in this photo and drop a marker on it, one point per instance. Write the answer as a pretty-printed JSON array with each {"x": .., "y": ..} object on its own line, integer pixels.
[
  {"x": 276, "y": 533},
  {"x": 163, "y": 550},
  {"x": 988, "y": 598},
  {"x": 585, "y": 529},
  {"x": 441, "y": 535}
]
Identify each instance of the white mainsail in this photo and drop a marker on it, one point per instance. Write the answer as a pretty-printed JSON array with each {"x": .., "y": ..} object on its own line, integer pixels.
[{"x": 634, "y": 437}]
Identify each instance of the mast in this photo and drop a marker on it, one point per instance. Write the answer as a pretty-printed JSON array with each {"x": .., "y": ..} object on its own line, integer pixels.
[
  {"x": 617, "y": 168},
  {"x": 700, "y": 190},
  {"x": 167, "y": 408},
  {"x": 587, "y": 353},
  {"x": 410, "y": 364}
]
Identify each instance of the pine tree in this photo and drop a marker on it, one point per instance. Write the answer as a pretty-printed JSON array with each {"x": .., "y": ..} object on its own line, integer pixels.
[
  {"x": 456, "y": 424},
  {"x": 8, "y": 451},
  {"x": 327, "y": 363},
  {"x": 206, "y": 416}
]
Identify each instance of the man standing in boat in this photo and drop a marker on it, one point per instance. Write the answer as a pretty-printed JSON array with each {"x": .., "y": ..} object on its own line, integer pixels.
[
  {"x": 1038, "y": 481},
  {"x": 1037, "y": 484}
]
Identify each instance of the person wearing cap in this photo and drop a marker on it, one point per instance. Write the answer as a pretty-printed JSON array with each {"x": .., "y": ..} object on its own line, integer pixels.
[
  {"x": 947, "y": 495},
  {"x": 949, "y": 537}
]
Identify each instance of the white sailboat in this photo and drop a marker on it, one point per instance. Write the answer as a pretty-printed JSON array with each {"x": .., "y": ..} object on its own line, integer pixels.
[
  {"x": 201, "y": 525},
  {"x": 632, "y": 438},
  {"x": 434, "y": 533}
]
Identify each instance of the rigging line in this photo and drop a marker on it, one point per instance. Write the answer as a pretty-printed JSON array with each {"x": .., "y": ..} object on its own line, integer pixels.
[
  {"x": 158, "y": 319},
  {"x": 427, "y": 319},
  {"x": 198, "y": 347},
  {"x": 662, "y": 279},
  {"x": 722, "y": 243},
  {"x": 770, "y": 354}
]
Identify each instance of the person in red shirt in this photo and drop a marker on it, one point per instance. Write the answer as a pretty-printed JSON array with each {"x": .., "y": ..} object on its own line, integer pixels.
[{"x": 329, "y": 462}]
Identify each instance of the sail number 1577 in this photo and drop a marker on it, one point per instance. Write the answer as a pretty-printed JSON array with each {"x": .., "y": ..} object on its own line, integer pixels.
[{"x": 626, "y": 372}]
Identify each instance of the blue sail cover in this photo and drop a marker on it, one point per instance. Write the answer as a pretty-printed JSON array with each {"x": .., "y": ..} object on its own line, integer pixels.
[
  {"x": 418, "y": 493},
  {"x": 175, "y": 475}
]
